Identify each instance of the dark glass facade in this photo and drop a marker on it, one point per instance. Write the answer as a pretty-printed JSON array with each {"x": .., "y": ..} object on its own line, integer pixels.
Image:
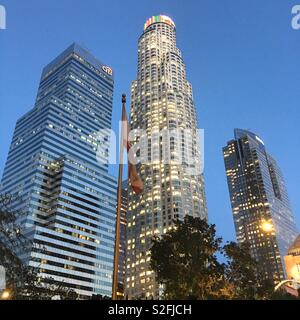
[{"x": 261, "y": 209}]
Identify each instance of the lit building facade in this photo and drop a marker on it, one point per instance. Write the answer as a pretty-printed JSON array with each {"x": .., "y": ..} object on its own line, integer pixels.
[
  {"x": 261, "y": 209},
  {"x": 292, "y": 261},
  {"x": 161, "y": 100},
  {"x": 67, "y": 196}
]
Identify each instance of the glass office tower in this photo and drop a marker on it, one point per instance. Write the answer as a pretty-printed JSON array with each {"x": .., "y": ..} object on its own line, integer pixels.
[
  {"x": 161, "y": 101},
  {"x": 261, "y": 209},
  {"x": 67, "y": 196}
]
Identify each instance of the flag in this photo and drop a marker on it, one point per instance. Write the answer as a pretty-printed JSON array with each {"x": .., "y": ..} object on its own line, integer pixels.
[{"x": 135, "y": 180}]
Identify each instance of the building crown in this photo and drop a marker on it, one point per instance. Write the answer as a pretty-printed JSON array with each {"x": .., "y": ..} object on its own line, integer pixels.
[{"x": 159, "y": 18}]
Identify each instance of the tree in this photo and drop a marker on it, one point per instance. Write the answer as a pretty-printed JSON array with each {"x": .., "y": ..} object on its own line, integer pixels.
[
  {"x": 22, "y": 281},
  {"x": 244, "y": 277},
  {"x": 241, "y": 271},
  {"x": 185, "y": 262}
]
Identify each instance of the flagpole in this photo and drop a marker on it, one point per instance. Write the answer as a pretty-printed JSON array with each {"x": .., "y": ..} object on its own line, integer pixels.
[{"x": 118, "y": 216}]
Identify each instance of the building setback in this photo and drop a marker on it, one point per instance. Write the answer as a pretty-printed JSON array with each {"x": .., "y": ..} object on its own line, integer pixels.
[
  {"x": 161, "y": 100},
  {"x": 67, "y": 195},
  {"x": 260, "y": 205}
]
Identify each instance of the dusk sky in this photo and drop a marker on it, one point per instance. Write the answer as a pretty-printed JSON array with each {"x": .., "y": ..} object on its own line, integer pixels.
[{"x": 242, "y": 59}]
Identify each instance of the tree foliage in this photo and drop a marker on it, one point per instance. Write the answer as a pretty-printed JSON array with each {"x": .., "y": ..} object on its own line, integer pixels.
[{"x": 185, "y": 263}]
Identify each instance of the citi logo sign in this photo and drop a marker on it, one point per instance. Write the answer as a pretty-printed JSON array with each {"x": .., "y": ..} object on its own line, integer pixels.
[
  {"x": 2, "y": 18},
  {"x": 107, "y": 70},
  {"x": 296, "y": 17}
]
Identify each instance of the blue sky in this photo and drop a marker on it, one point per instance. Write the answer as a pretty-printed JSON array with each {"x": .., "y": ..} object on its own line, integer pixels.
[{"x": 242, "y": 59}]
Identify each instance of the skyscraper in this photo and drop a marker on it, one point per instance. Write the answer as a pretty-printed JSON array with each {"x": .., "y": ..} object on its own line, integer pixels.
[
  {"x": 260, "y": 205},
  {"x": 161, "y": 100},
  {"x": 67, "y": 196}
]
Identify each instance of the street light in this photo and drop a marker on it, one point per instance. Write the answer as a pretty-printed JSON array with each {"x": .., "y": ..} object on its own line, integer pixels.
[
  {"x": 267, "y": 226},
  {"x": 5, "y": 295}
]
